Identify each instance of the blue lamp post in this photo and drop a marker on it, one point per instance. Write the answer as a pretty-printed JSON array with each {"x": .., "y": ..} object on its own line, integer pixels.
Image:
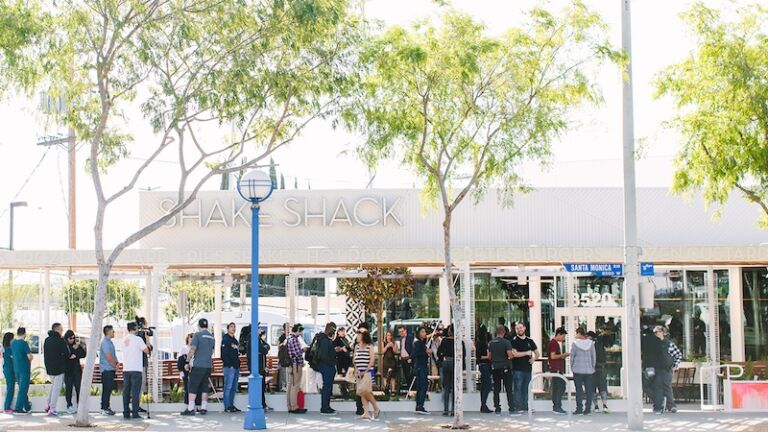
[{"x": 255, "y": 187}]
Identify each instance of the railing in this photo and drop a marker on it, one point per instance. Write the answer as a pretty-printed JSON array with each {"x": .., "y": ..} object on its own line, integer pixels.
[
  {"x": 715, "y": 375},
  {"x": 530, "y": 394}
]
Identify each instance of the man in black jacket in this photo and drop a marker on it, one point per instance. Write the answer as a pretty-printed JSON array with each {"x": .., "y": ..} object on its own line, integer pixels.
[
  {"x": 230, "y": 357},
  {"x": 55, "y": 357},
  {"x": 326, "y": 360}
]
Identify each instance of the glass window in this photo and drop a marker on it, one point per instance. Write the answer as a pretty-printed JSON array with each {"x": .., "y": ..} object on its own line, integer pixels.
[
  {"x": 596, "y": 291},
  {"x": 724, "y": 313},
  {"x": 310, "y": 287},
  {"x": 755, "y": 300},
  {"x": 497, "y": 297}
]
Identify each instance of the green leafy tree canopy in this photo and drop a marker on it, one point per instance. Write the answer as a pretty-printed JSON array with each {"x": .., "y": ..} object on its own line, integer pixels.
[
  {"x": 123, "y": 298},
  {"x": 721, "y": 95},
  {"x": 22, "y": 27},
  {"x": 189, "y": 299}
]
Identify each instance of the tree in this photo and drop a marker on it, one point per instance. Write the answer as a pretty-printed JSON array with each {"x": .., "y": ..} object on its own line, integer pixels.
[
  {"x": 268, "y": 68},
  {"x": 189, "y": 300},
  {"x": 464, "y": 110},
  {"x": 721, "y": 95},
  {"x": 11, "y": 296},
  {"x": 124, "y": 298},
  {"x": 22, "y": 25},
  {"x": 379, "y": 285}
]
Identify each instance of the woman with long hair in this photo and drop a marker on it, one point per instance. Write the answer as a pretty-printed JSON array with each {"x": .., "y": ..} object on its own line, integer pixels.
[
  {"x": 364, "y": 359},
  {"x": 389, "y": 362},
  {"x": 10, "y": 377}
]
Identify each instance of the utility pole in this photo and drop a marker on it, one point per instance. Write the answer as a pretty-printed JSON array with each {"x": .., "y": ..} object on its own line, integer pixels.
[
  {"x": 72, "y": 202},
  {"x": 48, "y": 105},
  {"x": 633, "y": 386}
]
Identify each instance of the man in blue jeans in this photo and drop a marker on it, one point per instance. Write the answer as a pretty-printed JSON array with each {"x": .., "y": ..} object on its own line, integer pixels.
[
  {"x": 524, "y": 354},
  {"x": 230, "y": 357},
  {"x": 326, "y": 356},
  {"x": 107, "y": 365}
]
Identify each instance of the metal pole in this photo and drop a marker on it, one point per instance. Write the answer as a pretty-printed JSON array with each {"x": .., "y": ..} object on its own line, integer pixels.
[
  {"x": 254, "y": 418},
  {"x": 631, "y": 272}
]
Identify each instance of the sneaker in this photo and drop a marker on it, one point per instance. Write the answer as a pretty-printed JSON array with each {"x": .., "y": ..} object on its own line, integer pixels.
[
  {"x": 587, "y": 412},
  {"x": 299, "y": 411},
  {"x": 187, "y": 412},
  {"x": 658, "y": 412},
  {"x": 235, "y": 409},
  {"x": 266, "y": 409},
  {"x": 605, "y": 409},
  {"x": 135, "y": 416},
  {"x": 126, "y": 416},
  {"x": 497, "y": 411},
  {"x": 560, "y": 411},
  {"x": 422, "y": 411},
  {"x": 328, "y": 411},
  {"x": 445, "y": 413},
  {"x": 22, "y": 411},
  {"x": 485, "y": 410},
  {"x": 578, "y": 412},
  {"x": 673, "y": 410},
  {"x": 202, "y": 411},
  {"x": 8, "y": 411},
  {"x": 71, "y": 410},
  {"x": 359, "y": 413},
  {"x": 515, "y": 413},
  {"x": 46, "y": 407},
  {"x": 596, "y": 409},
  {"x": 142, "y": 410},
  {"x": 107, "y": 412},
  {"x": 53, "y": 413}
]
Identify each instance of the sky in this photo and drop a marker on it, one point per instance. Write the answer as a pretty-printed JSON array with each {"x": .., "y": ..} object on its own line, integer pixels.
[{"x": 587, "y": 156}]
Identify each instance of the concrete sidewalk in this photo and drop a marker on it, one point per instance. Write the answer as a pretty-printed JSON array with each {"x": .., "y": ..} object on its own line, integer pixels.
[{"x": 689, "y": 421}]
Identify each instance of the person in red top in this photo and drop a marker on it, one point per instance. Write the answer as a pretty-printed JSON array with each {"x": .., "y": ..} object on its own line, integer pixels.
[{"x": 557, "y": 364}]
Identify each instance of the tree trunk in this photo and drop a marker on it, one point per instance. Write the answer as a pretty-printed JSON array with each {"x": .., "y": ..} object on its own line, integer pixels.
[
  {"x": 458, "y": 334},
  {"x": 100, "y": 306}
]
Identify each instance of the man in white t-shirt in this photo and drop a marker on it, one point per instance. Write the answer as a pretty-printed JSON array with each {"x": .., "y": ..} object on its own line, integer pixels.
[{"x": 133, "y": 348}]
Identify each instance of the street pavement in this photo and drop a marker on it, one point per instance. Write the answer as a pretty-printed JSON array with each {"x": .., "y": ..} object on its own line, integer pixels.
[{"x": 684, "y": 421}]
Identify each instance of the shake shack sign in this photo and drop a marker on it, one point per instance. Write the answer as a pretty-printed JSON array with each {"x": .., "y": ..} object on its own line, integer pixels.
[{"x": 283, "y": 210}]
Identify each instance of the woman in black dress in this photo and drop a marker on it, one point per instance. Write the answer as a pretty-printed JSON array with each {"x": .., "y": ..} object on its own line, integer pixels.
[{"x": 389, "y": 362}]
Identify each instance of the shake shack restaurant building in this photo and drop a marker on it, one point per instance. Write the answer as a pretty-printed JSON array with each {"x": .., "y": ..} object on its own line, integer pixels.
[{"x": 550, "y": 259}]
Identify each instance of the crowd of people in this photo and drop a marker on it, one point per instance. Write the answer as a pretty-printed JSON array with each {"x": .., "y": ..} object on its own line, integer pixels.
[{"x": 505, "y": 361}]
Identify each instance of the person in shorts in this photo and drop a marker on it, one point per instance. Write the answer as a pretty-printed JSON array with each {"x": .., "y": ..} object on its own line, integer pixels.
[{"x": 199, "y": 363}]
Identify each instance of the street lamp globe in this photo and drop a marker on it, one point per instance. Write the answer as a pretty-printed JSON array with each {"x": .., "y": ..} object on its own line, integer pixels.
[{"x": 255, "y": 186}]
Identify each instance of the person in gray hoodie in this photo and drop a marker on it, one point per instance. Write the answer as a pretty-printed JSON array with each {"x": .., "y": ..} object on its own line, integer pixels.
[{"x": 583, "y": 366}]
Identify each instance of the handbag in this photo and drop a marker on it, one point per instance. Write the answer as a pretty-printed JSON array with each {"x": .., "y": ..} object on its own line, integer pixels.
[{"x": 364, "y": 385}]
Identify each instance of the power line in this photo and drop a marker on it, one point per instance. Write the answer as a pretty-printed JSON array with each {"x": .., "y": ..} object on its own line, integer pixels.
[{"x": 29, "y": 177}]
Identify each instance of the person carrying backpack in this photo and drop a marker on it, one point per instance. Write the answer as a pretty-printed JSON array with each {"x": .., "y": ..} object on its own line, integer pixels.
[{"x": 670, "y": 360}]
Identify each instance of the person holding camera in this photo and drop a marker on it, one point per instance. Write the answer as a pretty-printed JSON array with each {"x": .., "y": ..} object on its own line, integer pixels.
[
  {"x": 72, "y": 371},
  {"x": 199, "y": 363},
  {"x": 144, "y": 332}
]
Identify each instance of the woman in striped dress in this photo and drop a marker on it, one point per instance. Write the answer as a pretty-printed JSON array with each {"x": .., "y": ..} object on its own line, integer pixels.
[{"x": 364, "y": 358}]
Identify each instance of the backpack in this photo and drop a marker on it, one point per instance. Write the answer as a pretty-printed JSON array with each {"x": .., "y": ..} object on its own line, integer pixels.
[
  {"x": 282, "y": 356},
  {"x": 313, "y": 354},
  {"x": 666, "y": 358}
]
